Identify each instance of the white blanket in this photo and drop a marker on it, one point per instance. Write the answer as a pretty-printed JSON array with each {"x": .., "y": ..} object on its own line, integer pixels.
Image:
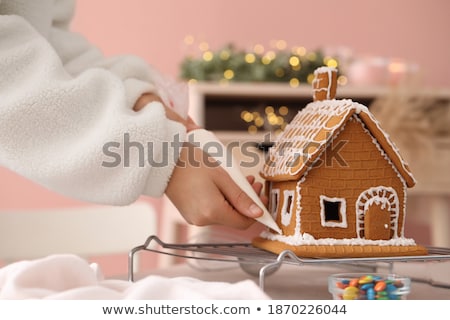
[{"x": 71, "y": 277}]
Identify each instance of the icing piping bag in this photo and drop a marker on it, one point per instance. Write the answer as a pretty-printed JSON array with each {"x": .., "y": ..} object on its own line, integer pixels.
[{"x": 204, "y": 138}]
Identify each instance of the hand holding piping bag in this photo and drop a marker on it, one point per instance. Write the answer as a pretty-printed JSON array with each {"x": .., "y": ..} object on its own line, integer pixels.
[
  {"x": 204, "y": 137},
  {"x": 178, "y": 112}
]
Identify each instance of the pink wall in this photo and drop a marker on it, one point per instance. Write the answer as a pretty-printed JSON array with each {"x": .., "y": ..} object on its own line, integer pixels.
[
  {"x": 17, "y": 192},
  {"x": 412, "y": 30}
]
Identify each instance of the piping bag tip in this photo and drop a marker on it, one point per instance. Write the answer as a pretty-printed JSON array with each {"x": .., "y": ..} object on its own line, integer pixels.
[
  {"x": 202, "y": 137},
  {"x": 267, "y": 220}
]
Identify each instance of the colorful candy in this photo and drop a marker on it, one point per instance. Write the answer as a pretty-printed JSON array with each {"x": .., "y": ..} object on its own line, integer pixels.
[
  {"x": 380, "y": 286},
  {"x": 370, "y": 287},
  {"x": 350, "y": 293}
]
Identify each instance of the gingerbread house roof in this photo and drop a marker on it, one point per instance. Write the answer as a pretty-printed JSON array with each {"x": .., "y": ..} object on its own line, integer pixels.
[{"x": 310, "y": 132}]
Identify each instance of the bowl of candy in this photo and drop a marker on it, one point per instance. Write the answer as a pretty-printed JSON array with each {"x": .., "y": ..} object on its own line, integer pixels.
[{"x": 366, "y": 286}]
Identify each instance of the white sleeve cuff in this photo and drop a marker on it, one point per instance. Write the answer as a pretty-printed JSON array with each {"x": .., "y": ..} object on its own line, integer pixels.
[{"x": 162, "y": 168}]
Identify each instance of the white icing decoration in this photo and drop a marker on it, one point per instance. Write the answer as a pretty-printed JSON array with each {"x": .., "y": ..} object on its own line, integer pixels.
[
  {"x": 298, "y": 210},
  {"x": 307, "y": 239},
  {"x": 274, "y": 202},
  {"x": 286, "y": 213},
  {"x": 342, "y": 213},
  {"x": 381, "y": 195},
  {"x": 324, "y": 69},
  {"x": 402, "y": 230}
]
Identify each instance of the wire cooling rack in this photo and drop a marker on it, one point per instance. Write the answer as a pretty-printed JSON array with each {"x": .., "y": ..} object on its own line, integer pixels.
[{"x": 245, "y": 254}]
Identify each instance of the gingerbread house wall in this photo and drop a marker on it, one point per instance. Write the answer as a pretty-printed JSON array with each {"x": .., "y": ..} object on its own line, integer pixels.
[{"x": 362, "y": 167}]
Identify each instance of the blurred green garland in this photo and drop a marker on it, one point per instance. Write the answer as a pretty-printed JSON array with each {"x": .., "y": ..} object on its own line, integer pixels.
[{"x": 231, "y": 64}]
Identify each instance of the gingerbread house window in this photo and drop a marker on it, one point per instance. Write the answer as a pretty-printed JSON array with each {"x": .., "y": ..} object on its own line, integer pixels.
[
  {"x": 274, "y": 198},
  {"x": 333, "y": 212},
  {"x": 286, "y": 213}
]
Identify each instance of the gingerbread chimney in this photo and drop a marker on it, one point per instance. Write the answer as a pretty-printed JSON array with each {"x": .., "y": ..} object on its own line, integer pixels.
[{"x": 324, "y": 83}]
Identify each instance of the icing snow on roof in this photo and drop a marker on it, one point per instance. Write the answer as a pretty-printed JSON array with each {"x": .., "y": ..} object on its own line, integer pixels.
[{"x": 304, "y": 139}]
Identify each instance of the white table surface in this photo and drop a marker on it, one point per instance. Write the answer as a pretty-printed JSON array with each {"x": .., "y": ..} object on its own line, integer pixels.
[{"x": 309, "y": 282}]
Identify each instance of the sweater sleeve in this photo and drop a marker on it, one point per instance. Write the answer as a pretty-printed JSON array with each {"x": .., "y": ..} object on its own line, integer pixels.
[
  {"x": 77, "y": 54},
  {"x": 73, "y": 131}
]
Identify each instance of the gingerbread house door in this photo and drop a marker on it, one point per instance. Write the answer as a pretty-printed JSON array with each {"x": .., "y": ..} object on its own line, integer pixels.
[{"x": 377, "y": 213}]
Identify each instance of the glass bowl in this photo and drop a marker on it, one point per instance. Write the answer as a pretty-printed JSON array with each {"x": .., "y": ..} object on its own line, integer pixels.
[{"x": 368, "y": 286}]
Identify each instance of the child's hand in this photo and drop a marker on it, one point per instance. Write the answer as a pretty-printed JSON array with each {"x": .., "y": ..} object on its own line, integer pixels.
[
  {"x": 146, "y": 98},
  {"x": 205, "y": 194}
]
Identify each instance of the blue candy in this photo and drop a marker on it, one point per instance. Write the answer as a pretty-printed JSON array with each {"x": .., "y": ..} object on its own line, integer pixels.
[
  {"x": 391, "y": 287},
  {"x": 367, "y": 286},
  {"x": 370, "y": 294}
]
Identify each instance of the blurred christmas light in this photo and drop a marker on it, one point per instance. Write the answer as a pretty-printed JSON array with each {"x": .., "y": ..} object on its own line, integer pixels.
[
  {"x": 246, "y": 116},
  {"x": 228, "y": 74},
  {"x": 281, "y": 44},
  {"x": 252, "y": 129},
  {"x": 266, "y": 60},
  {"x": 342, "y": 80},
  {"x": 300, "y": 51},
  {"x": 311, "y": 56},
  {"x": 397, "y": 67},
  {"x": 294, "y": 82},
  {"x": 283, "y": 110},
  {"x": 189, "y": 40},
  {"x": 269, "y": 110},
  {"x": 208, "y": 55},
  {"x": 259, "y": 122},
  {"x": 203, "y": 46},
  {"x": 332, "y": 63},
  {"x": 258, "y": 49},
  {"x": 294, "y": 61},
  {"x": 250, "y": 58},
  {"x": 279, "y": 72},
  {"x": 224, "y": 55}
]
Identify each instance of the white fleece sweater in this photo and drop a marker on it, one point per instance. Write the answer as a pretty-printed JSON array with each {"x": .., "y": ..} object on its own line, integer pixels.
[{"x": 66, "y": 118}]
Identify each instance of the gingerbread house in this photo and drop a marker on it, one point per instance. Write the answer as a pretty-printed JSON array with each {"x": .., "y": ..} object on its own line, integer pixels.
[{"x": 337, "y": 185}]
